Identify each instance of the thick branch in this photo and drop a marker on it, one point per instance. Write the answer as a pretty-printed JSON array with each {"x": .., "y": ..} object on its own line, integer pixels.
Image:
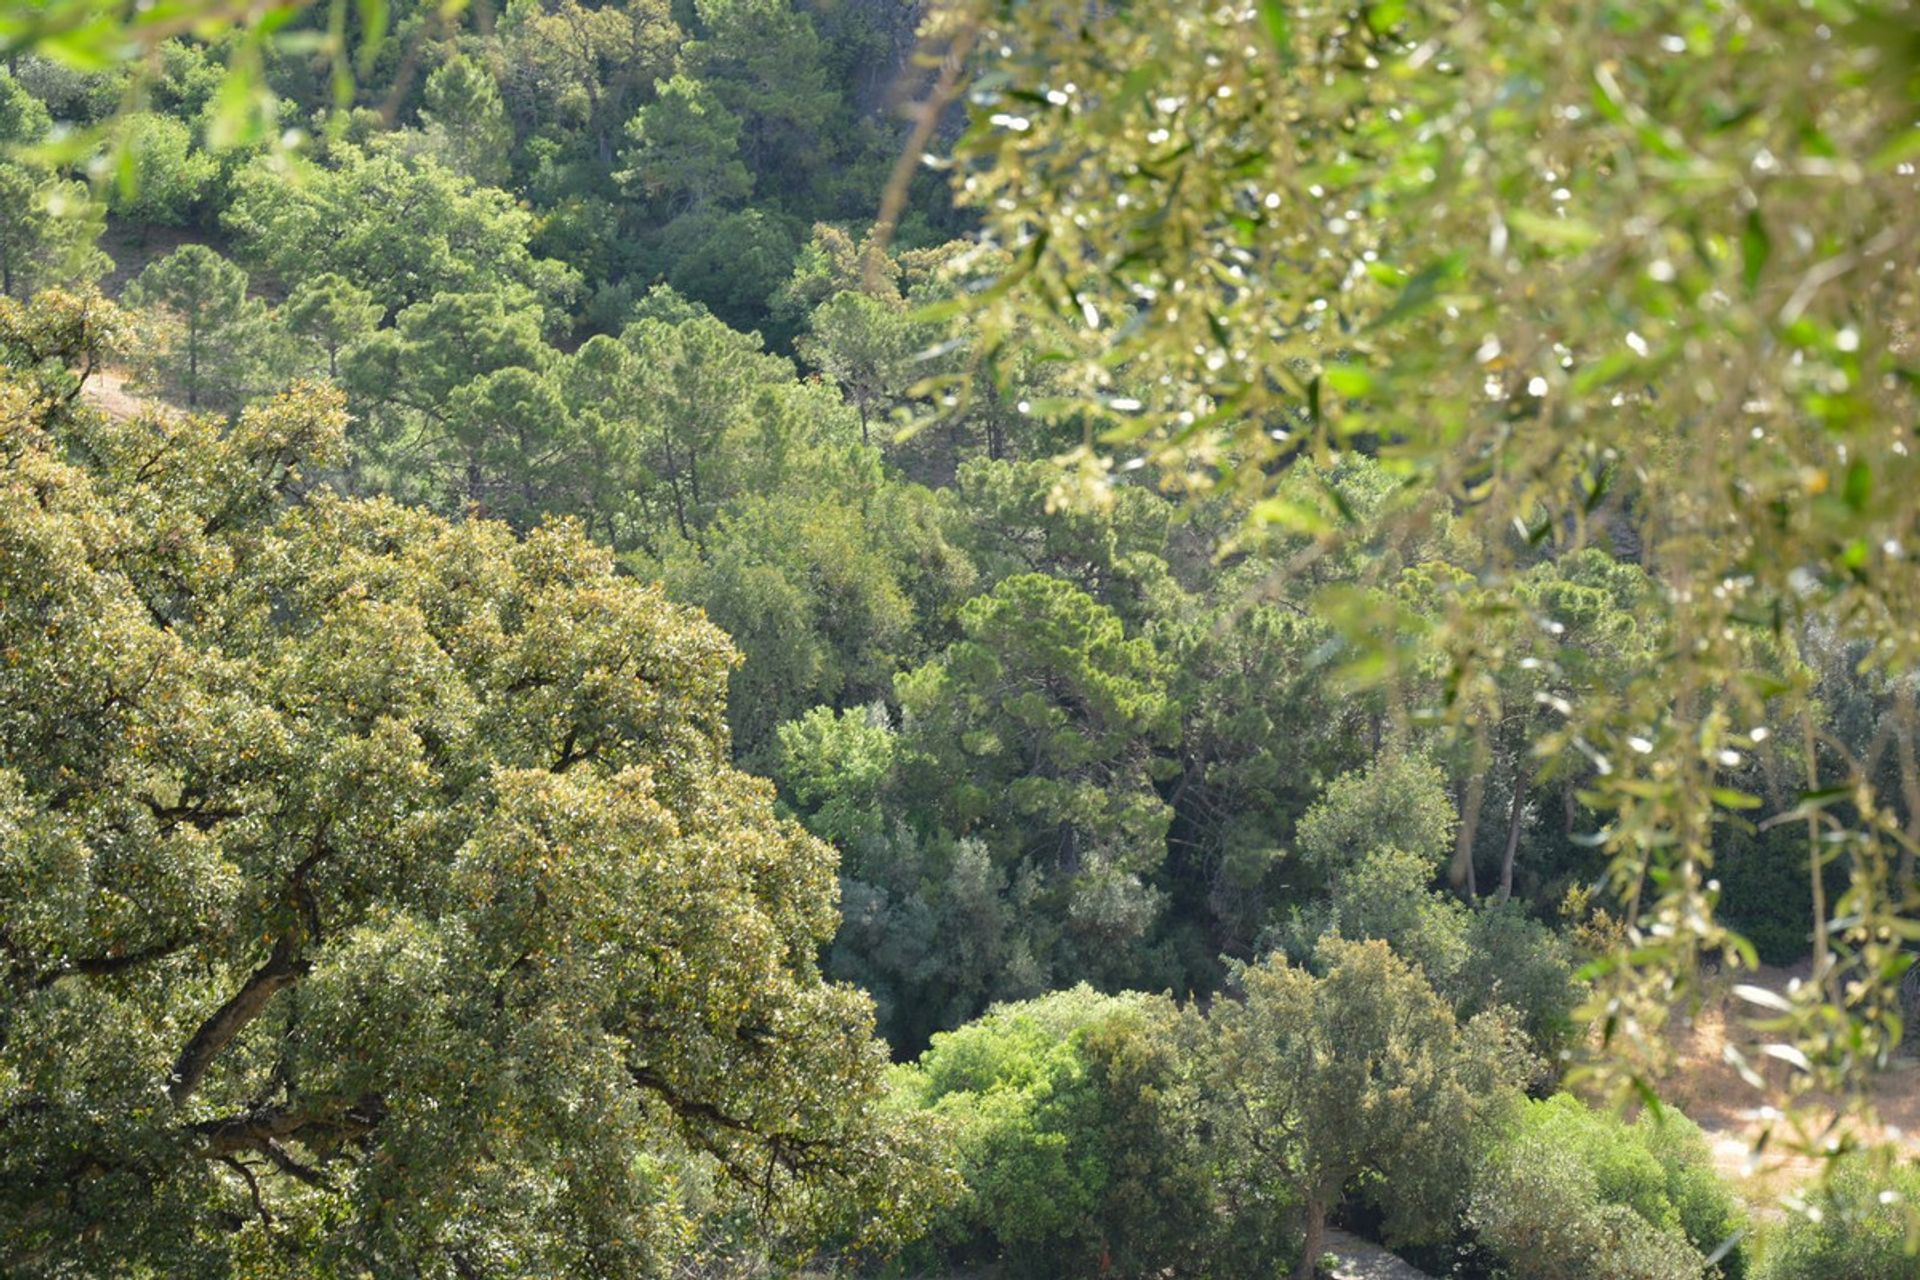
[
  {"x": 263, "y": 1129},
  {"x": 230, "y": 1019},
  {"x": 793, "y": 1152},
  {"x": 101, "y": 966}
]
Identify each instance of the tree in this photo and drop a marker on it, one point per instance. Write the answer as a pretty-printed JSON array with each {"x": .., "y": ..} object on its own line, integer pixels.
[
  {"x": 1568, "y": 1192},
  {"x": 331, "y": 312},
  {"x": 1399, "y": 801},
  {"x": 1036, "y": 732},
  {"x": 695, "y": 380},
  {"x": 162, "y": 175},
  {"x": 1117, "y": 554},
  {"x": 1077, "y": 1133},
  {"x": 812, "y": 597},
  {"x": 573, "y": 71},
  {"x": 1321, "y": 1079},
  {"x": 1262, "y": 732},
  {"x": 407, "y": 380},
  {"x": 48, "y": 225},
  {"x": 1265, "y": 239},
  {"x": 1859, "y": 1231},
  {"x": 866, "y": 347},
  {"x": 377, "y": 887},
  {"x": 466, "y": 121},
  {"x": 732, "y": 261},
  {"x": 765, "y": 59},
  {"x": 219, "y": 341},
  {"x": 684, "y": 149},
  {"x": 513, "y": 431},
  {"x": 455, "y": 237}
]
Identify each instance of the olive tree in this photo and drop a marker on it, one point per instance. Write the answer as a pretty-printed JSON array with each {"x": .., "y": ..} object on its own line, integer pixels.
[{"x": 1630, "y": 276}]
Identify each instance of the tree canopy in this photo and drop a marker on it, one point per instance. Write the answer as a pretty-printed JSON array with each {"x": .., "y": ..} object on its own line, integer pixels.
[{"x": 376, "y": 887}]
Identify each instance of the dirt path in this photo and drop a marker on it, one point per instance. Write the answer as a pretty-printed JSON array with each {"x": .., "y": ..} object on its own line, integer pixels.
[
  {"x": 1362, "y": 1260},
  {"x": 107, "y": 391},
  {"x": 1732, "y": 1113}
]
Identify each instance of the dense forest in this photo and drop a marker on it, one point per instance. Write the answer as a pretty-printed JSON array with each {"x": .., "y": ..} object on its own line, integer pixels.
[{"x": 605, "y": 670}]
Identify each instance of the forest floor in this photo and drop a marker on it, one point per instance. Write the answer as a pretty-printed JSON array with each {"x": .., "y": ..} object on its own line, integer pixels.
[
  {"x": 107, "y": 391},
  {"x": 1731, "y": 1112}
]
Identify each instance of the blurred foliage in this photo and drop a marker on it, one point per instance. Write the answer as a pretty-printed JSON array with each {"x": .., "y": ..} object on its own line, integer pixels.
[{"x": 1633, "y": 276}]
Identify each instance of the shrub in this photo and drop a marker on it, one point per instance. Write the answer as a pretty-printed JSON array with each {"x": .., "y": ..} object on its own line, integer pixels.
[
  {"x": 1074, "y": 1132},
  {"x": 1573, "y": 1193},
  {"x": 1858, "y": 1235},
  {"x": 1539, "y": 1207}
]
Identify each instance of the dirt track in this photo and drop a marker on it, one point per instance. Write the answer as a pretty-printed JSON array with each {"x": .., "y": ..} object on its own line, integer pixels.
[
  {"x": 1712, "y": 1094},
  {"x": 107, "y": 391}
]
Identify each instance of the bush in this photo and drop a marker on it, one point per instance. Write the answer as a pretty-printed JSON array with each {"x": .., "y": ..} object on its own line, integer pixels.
[
  {"x": 1538, "y": 1206},
  {"x": 1075, "y": 1134},
  {"x": 1573, "y": 1193},
  {"x": 1857, "y": 1236}
]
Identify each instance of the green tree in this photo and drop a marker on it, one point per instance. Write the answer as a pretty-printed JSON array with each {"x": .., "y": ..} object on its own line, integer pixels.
[
  {"x": 162, "y": 175},
  {"x": 466, "y": 122},
  {"x": 48, "y": 225},
  {"x": 219, "y": 344},
  {"x": 1077, "y": 1134},
  {"x": 765, "y": 60},
  {"x": 1320, "y": 1079},
  {"x": 420, "y": 439},
  {"x": 576, "y": 72},
  {"x": 732, "y": 261},
  {"x": 1037, "y": 732},
  {"x": 377, "y": 887},
  {"x": 812, "y": 597},
  {"x": 1116, "y": 554},
  {"x": 332, "y": 313},
  {"x": 1568, "y": 1192},
  {"x": 835, "y": 767},
  {"x": 695, "y": 380},
  {"x": 515, "y": 438},
  {"x": 683, "y": 149},
  {"x": 865, "y": 346},
  {"x": 1858, "y": 1232},
  {"x": 1292, "y": 231},
  {"x": 1262, "y": 732},
  {"x": 454, "y": 238},
  {"x": 1399, "y": 801}
]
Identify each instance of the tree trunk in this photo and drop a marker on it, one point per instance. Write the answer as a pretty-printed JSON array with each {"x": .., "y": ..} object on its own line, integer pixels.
[
  {"x": 1316, "y": 1239},
  {"x": 1462, "y": 871},
  {"x": 1515, "y": 813},
  {"x": 673, "y": 485}
]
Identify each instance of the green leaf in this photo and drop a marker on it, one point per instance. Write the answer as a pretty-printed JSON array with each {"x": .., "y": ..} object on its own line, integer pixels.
[
  {"x": 1421, "y": 291},
  {"x": 1756, "y": 246},
  {"x": 1649, "y": 1097},
  {"x": 1384, "y": 17},
  {"x": 373, "y": 31},
  {"x": 1858, "y": 489},
  {"x": 1279, "y": 25},
  {"x": 1348, "y": 379},
  {"x": 1553, "y": 231}
]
